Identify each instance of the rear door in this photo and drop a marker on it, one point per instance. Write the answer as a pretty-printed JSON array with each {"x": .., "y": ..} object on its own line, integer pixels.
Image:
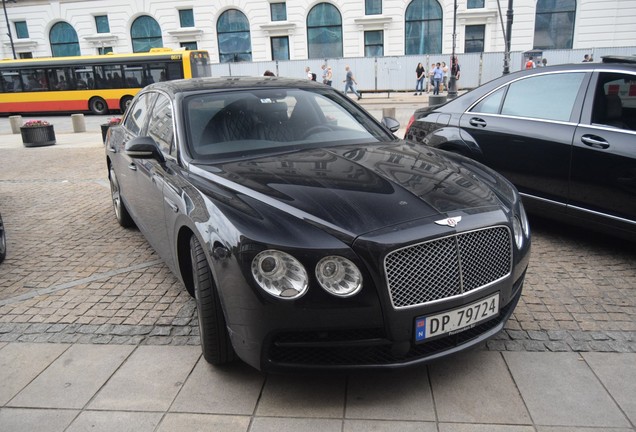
[
  {"x": 604, "y": 152},
  {"x": 525, "y": 131}
]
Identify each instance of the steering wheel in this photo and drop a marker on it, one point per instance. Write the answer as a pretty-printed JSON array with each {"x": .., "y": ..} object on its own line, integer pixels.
[{"x": 316, "y": 129}]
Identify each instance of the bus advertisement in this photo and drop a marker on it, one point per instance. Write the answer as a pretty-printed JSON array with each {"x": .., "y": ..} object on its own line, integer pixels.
[{"x": 98, "y": 84}]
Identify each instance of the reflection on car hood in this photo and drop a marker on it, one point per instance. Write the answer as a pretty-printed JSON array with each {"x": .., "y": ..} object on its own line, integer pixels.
[{"x": 359, "y": 188}]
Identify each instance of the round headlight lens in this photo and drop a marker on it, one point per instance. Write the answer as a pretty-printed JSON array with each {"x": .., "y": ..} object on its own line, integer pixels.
[
  {"x": 279, "y": 274},
  {"x": 339, "y": 276}
]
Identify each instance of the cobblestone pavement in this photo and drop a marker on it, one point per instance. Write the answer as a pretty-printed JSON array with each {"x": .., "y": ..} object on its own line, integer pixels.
[{"x": 72, "y": 274}]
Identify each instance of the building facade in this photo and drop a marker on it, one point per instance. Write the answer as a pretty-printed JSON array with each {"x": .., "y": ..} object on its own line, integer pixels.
[{"x": 265, "y": 30}]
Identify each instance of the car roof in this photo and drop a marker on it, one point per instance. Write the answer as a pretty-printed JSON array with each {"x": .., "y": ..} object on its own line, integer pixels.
[
  {"x": 470, "y": 97},
  {"x": 227, "y": 83}
]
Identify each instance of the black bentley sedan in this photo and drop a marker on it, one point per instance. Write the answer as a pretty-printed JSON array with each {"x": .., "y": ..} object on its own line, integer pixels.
[
  {"x": 565, "y": 136},
  {"x": 310, "y": 236}
]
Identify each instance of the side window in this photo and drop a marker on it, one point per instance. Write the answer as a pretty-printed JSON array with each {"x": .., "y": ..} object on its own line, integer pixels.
[
  {"x": 615, "y": 101},
  {"x": 137, "y": 114},
  {"x": 548, "y": 97},
  {"x": 491, "y": 104},
  {"x": 160, "y": 124}
]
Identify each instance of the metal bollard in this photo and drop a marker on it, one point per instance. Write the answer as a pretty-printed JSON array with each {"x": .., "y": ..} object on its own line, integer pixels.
[
  {"x": 435, "y": 100},
  {"x": 79, "y": 125},
  {"x": 16, "y": 122}
]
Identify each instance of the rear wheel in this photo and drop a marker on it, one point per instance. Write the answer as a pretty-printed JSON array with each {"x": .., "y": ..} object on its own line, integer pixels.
[
  {"x": 121, "y": 212},
  {"x": 215, "y": 340},
  {"x": 98, "y": 106}
]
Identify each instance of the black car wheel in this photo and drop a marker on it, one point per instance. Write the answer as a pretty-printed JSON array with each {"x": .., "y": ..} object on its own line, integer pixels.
[
  {"x": 215, "y": 340},
  {"x": 3, "y": 241},
  {"x": 124, "y": 103},
  {"x": 121, "y": 212}
]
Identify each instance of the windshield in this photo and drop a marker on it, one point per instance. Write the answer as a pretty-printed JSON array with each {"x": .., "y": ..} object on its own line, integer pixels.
[{"x": 246, "y": 122}]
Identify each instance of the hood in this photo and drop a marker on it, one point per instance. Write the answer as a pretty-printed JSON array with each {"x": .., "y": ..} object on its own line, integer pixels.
[{"x": 361, "y": 188}]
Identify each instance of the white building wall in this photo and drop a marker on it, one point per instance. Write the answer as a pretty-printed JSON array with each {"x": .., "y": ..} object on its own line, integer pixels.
[{"x": 599, "y": 23}]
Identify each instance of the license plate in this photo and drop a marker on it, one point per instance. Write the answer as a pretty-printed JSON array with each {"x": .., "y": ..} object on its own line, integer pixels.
[{"x": 456, "y": 320}]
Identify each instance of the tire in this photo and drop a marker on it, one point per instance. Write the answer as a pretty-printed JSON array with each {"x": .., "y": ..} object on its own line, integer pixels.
[
  {"x": 215, "y": 340},
  {"x": 124, "y": 103},
  {"x": 3, "y": 241},
  {"x": 98, "y": 106},
  {"x": 121, "y": 212}
]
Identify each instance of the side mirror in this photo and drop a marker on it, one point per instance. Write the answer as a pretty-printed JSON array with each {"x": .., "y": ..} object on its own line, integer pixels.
[
  {"x": 143, "y": 148},
  {"x": 392, "y": 124}
]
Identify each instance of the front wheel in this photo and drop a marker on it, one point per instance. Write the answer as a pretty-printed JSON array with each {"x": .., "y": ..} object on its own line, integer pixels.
[
  {"x": 121, "y": 212},
  {"x": 98, "y": 106},
  {"x": 215, "y": 340}
]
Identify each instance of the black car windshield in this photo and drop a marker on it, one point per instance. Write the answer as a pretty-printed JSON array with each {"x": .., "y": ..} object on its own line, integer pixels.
[{"x": 248, "y": 122}]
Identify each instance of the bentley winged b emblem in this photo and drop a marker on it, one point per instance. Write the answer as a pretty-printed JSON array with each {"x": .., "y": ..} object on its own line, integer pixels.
[{"x": 451, "y": 222}]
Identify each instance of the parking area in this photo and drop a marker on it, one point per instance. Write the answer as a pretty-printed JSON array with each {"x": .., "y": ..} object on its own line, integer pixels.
[{"x": 72, "y": 274}]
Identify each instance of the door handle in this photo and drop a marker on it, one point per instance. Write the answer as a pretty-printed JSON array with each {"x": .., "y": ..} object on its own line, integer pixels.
[
  {"x": 132, "y": 167},
  {"x": 595, "y": 141},
  {"x": 477, "y": 122}
]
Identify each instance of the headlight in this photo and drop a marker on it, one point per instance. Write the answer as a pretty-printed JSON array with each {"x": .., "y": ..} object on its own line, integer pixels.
[
  {"x": 525, "y": 224},
  {"x": 518, "y": 231},
  {"x": 280, "y": 274},
  {"x": 338, "y": 276}
]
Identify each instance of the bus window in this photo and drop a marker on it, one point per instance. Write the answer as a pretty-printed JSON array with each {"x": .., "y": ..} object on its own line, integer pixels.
[
  {"x": 175, "y": 71},
  {"x": 34, "y": 79},
  {"x": 84, "y": 78},
  {"x": 60, "y": 79},
  {"x": 157, "y": 71},
  {"x": 11, "y": 81},
  {"x": 133, "y": 75}
]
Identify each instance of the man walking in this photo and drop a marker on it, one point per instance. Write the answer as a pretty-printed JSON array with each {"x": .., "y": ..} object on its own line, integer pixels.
[{"x": 349, "y": 82}]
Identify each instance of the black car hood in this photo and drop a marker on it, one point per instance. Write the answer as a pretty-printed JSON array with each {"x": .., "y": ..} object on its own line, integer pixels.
[{"x": 358, "y": 189}]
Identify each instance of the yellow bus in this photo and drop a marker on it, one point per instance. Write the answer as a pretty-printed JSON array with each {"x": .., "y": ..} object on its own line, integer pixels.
[{"x": 98, "y": 83}]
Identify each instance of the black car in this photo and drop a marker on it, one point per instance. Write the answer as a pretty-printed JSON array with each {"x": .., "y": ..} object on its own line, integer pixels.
[
  {"x": 565, "y": 136},
  {"x": 310, "y": 236}
]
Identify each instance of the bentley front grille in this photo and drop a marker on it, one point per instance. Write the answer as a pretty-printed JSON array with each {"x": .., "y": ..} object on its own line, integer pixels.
[{"x": 449, "y": 266}]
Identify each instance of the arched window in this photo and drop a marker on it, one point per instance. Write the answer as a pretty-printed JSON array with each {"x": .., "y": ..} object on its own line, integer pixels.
[
  {"x": 554, "y": 24},
  {"x": 233, "y": 33},
  {"x": 324, "y": 31},
  {"x": 145, "y": 34},
  {"x": 63, "y": 40},
  {"x": 423, "y": 24}
]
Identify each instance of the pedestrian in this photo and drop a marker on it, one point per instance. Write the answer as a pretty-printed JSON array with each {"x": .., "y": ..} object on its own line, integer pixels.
[
  {"x": 429, "y": 81},
  {"x": 530, "y": 63},
  {"x": 544, "y": 62},
  {"x": 445, "y": 78},
  {"x": 420, "y": 76},
  {"x": 438, "y": 74},
  {"x": 586, "y": 58},
  {"x": 349, "y": 82},
  {"x": 310, "y": 76},
  {"x": 327, "y": 74},
  {"x": 268, "y": 73}
]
